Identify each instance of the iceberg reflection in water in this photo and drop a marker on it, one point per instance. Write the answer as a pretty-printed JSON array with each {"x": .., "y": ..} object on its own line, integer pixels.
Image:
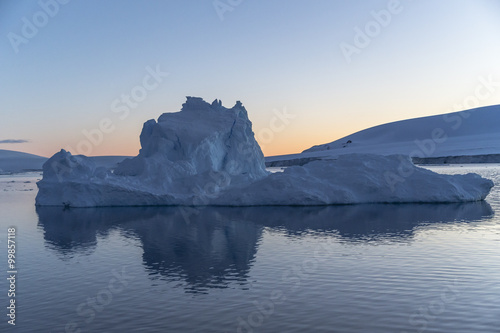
[{"x": 215, "y": 247}]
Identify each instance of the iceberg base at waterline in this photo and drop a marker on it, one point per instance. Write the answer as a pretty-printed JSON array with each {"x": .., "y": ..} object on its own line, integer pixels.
[{"x": 206, "y": 154}]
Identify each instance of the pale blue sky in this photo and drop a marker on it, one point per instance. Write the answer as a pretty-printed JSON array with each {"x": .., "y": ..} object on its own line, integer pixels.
[{"x": 274, "y": 56}]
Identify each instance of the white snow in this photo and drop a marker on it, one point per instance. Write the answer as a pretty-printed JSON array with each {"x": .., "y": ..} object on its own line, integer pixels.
[
  {"x": 359, "y": 178},
  {"x": 110, "y": 161},
  {"x": 471, "y": 132},
  {"x": 206, "y": 154}
]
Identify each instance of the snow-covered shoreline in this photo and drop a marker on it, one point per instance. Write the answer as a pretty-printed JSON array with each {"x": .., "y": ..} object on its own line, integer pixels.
[{"x": 438, "y": 160}]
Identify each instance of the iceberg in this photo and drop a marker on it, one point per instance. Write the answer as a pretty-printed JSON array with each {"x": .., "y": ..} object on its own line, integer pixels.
[{"x": 206, "y": 154}]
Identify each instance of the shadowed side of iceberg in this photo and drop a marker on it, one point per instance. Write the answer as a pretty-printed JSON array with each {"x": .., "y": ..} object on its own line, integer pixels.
[{"x": 359, "y": 178}]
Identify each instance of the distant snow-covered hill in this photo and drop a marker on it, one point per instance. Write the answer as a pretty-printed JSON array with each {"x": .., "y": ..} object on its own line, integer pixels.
[
  {"x": 15, "y": 161},
  {"x": 474, "y": 132}
]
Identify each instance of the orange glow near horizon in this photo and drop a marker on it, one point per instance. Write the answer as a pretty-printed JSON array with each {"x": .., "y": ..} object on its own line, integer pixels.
[
  {"x": 300, "y": 134},
  {"x": 282, "y": 145},
  {"x": 124, "y": 141}
]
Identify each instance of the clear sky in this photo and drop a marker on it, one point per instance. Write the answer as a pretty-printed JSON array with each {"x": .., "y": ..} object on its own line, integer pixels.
[{"x": 308, "y": 72}]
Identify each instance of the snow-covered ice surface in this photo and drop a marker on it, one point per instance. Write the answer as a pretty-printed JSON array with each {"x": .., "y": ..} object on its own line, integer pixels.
[
  {"x": 206, "y": 154},
  {"x": 359, "y": 178},
  {"x": 466, "y": 133}
]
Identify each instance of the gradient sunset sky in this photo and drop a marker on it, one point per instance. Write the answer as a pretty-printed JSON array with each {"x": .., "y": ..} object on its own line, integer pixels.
[{"x": 331, "y": 67}]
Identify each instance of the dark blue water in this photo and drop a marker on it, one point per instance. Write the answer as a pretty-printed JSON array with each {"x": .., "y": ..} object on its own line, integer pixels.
[{"x": 359, "y": 268}]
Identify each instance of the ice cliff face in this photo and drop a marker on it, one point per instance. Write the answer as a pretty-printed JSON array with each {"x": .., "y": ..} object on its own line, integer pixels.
[
  {"x": 201, "y": 140},
  {"x": 206, "y": 154}
]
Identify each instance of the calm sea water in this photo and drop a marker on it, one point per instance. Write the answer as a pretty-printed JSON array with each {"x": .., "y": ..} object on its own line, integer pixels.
[{"x": 359, "y": 268}]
